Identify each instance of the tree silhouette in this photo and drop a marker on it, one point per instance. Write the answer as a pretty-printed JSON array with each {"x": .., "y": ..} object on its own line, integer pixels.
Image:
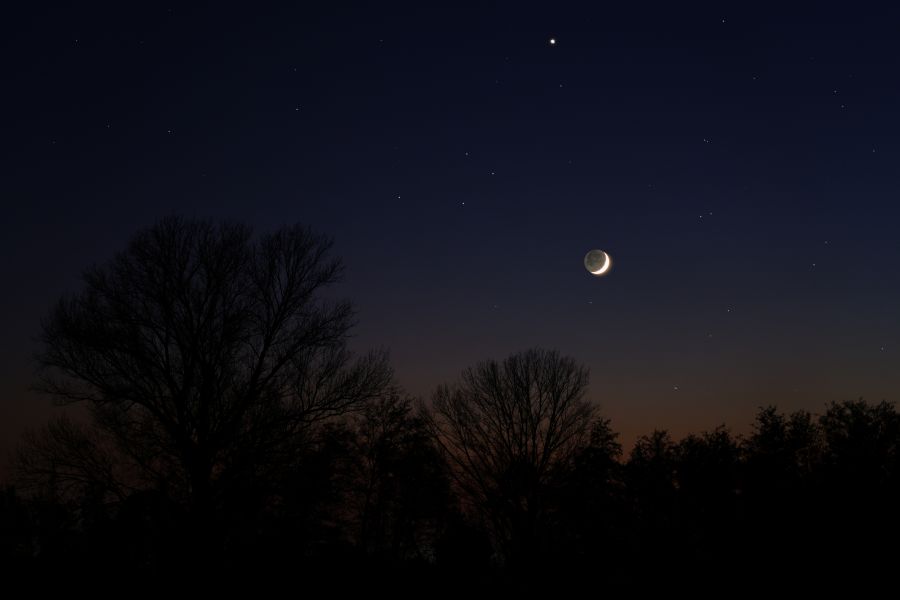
[
  {"x": 400, "y": 493},
  {"x": 861, "y": 487},
  {"x": 650, "y": 479},
  {"x": 780, "y": 487},
  {"x": 224, "y": 405},
  {"x": 593, "y": 508},
  {"x": 68, "y": 461},
  {"x": 651, "y": 466},
  {"x": 708, "y": 479},
  {"x": 510, "y": 431},
  {"x": 204, "y": 354},
  {"x": 862, "y": 442},
  {"x": 791, "y": 445}
]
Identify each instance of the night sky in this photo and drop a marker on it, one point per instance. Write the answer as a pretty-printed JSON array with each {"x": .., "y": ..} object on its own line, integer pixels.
[{"x": 740, "y": 167}]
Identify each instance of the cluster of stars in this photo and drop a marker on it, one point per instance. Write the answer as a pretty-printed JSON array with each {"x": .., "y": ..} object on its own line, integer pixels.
[{"x": 552, "y": 41}]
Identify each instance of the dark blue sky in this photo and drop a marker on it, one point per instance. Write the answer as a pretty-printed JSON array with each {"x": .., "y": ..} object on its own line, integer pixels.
[{"x": 740, "y": 166}]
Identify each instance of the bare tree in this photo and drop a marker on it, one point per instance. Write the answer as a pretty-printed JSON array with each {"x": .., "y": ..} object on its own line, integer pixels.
[
  {"x": 399, "y": 493},
  {"x": 510, "y": 430},
  {"x": 205, "y": 352},
  {"x": 66, "y": 461}
]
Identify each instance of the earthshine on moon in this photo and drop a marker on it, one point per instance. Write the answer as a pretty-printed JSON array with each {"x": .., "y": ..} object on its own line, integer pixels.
[{"x": 597, "y": 262}]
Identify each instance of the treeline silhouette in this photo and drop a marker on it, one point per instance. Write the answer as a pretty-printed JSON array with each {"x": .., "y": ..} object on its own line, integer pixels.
[{"x": 232, "y": 437}]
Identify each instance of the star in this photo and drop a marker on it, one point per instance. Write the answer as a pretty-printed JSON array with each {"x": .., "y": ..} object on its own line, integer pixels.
[{"x": 552, "y": 41}]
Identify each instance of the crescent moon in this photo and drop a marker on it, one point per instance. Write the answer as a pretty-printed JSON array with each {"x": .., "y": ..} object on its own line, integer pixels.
[{"x": 605, "y": 266}]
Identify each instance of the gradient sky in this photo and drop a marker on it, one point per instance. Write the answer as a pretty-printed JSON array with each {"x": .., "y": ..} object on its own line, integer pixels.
[{"x": 740, "y": 166}]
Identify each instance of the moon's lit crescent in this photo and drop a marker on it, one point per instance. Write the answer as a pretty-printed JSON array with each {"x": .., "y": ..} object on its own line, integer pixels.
[
  {"x": 605, "y": 266},
  {"x": 597, "y": 262}
]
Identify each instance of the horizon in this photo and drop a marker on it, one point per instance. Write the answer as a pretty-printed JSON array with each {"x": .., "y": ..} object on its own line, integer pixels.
[
  {"x": 495, "y": 297},
  {"x": 739, "y": 169}
]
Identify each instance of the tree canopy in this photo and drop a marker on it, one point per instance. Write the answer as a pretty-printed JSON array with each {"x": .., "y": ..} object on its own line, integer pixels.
[{"x": 204, "y": 352}]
